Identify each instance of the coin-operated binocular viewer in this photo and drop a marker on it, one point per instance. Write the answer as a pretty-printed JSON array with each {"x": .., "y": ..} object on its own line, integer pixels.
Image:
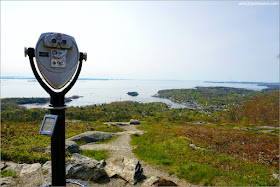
[{"x": 59, "y": 62}]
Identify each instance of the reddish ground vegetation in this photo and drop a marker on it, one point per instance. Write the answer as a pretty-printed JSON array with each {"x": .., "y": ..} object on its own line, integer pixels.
[
  {"x": 260, "y": 110},
  {"x": 251, "y": 146}
]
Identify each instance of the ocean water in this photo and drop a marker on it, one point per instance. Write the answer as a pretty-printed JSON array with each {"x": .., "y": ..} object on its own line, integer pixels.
[{"x": 107, "y": 91}]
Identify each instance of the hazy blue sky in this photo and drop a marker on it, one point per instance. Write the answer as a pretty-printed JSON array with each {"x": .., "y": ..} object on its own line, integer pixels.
[{"x": 181, "y": 40}]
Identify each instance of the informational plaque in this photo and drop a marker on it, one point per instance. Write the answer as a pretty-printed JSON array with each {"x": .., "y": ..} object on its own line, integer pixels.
[{"x": 48, "y": 125}]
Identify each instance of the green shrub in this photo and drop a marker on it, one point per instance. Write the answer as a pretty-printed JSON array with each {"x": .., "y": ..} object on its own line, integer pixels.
[{"x": 9, "y": 173}]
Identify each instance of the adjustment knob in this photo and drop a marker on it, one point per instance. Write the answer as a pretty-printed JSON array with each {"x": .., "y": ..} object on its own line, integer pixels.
[
  {"x": 85, "y": 56},
  {"x": 25, "y": 51}
]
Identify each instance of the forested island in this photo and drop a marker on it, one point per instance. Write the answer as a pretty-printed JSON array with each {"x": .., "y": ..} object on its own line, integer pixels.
[
  {"x": 227, "y": 136},
  {"x": 132, "y": 93}
]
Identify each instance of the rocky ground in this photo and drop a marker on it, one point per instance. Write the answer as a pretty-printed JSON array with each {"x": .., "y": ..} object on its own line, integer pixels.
[
  {"x": 120, "y": 152},
  {"x": 121, "y": 148}
]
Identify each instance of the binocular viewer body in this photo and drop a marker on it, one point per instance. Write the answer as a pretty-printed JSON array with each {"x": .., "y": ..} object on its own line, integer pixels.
[{"x": 57, "y": 57}]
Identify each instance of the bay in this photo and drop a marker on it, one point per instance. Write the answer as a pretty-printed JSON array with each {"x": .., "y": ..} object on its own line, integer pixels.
[{"x": 107, "y": 91}]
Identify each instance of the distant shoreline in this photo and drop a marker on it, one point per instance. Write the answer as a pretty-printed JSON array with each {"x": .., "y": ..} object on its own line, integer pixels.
[
  {"x": 35, "y": 78},
  {"x": 219, "y": 82},
  {"x": 270, "y": 86},
  {"x": 233, "y": 82}
]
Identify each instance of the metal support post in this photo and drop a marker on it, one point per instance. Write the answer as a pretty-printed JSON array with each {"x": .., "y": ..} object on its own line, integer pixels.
[{"x": 58, "y": 149}]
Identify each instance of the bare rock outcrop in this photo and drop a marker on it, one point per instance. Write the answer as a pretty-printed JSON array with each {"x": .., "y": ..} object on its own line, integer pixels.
[
  {"x": 82, "y": 167},
  {"x": 70, "y": 146},
  {"x": 7, "y": 181},
  {"x": 127, "y": 168},
  {"x": 92, "y": 136},
  {"x": 134, "y": 122},
  {"x": 30, "y": 168},
  {"x": 24, "y": 169}
]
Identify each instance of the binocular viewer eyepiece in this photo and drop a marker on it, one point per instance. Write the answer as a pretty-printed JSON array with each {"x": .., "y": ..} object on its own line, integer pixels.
[{"x": 57, "y": 58}]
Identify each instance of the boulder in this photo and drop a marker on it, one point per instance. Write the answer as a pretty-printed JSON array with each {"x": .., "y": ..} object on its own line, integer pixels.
[
  {"x": 29, "y": 168},
  {"x": 24, "y": 169},
  {"x": 127, "y": 168},
  {"x": 92, "y": 136},
  {"x": 70, "y": 146},
  {"x": 158, "y": 181},
  {"x": 134, "y": 122},
  {"x": 8, "y": 181},
  {"x": 82, "y": 167}
]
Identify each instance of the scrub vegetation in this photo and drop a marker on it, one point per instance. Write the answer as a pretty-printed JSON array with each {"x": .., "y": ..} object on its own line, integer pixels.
[
  {"x": 9, "y": 173},
  {"x": 226, "y": 136},
  {"x": 21, "y": 142}
]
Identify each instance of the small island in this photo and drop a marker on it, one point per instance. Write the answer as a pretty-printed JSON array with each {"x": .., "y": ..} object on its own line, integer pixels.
[
  {"x": 69, "y": 99},
  {"x": 132, "y": 94}
]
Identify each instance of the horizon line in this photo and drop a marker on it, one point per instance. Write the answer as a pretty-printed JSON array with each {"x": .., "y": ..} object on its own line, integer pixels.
[{"x": 87, "y": 78}]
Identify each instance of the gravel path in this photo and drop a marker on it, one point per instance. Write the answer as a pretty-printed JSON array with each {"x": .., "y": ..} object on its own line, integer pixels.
[{"x": 121, "y": 148}]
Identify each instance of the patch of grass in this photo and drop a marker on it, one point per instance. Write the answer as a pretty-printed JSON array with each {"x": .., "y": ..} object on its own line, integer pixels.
[
  {"x": 94, "y": 154},
  {"x": 196, "y": 173},
  {"x": 108, "y": 140},
  {"x": 80, "y": 142},
  {"x": 24, "y": 157},
  {"x": 9, "y": 173}
]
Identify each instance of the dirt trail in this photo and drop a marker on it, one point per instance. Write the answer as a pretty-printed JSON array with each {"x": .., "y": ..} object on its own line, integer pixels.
[{"x": 121, "y": 148}]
